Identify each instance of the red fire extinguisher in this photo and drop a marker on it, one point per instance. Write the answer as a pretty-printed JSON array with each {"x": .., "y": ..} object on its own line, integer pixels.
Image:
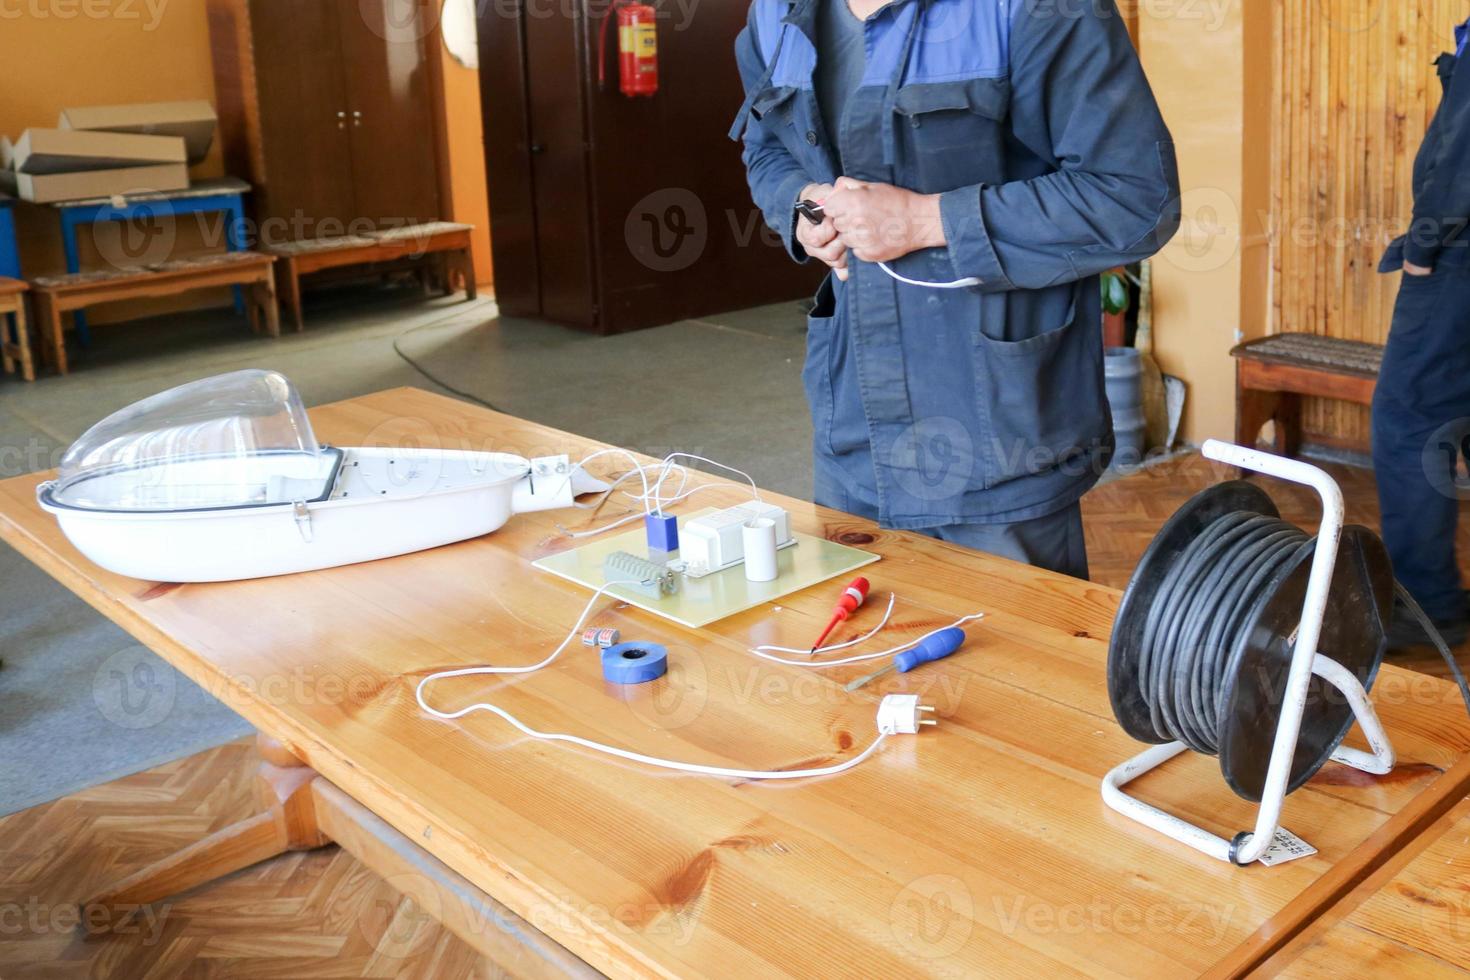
[{"x": 637, "y": 49}]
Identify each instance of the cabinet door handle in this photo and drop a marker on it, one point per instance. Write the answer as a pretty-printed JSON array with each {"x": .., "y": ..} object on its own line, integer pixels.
[
  {"x": 342, "y": 120},
  {"x": 356, "y": 118}
]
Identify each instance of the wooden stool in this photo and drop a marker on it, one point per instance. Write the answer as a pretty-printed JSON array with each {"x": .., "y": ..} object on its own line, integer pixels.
[
  {"x": 17, "y": 351},
  {"x": 58, "y": 295},
  {"x": 447, "y": 239},
  {"x": 1273, "y": 373}
]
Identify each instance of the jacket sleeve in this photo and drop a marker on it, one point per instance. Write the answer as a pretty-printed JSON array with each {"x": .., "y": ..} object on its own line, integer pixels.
[
  {"x": 1079, "y": 99},
  {"x": 1442, "y": 206},
  {"x": 775, "y": 177}
]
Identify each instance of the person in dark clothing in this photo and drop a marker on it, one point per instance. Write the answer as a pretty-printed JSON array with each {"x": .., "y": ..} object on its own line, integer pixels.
[
  {"x": 980, "y": 163},
  {"x": 1421, "y": 408}
]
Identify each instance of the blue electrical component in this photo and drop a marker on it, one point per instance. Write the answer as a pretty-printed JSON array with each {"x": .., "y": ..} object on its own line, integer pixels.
[
  {"x": 634, "y": 663},
  {"x": 663, "y": 531}
]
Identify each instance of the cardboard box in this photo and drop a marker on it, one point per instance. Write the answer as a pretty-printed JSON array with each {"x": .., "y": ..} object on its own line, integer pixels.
[
  {"x": 193, "y": 122},
  {"x": 51, "y": 188},
  {"x": 65, "y": 151}
]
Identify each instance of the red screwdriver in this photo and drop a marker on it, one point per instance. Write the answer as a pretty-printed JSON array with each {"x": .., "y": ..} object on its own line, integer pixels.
[{"x": 852, "y": 597}]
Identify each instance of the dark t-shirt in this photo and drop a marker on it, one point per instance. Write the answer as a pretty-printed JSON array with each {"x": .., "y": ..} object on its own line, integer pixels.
[{"x": 841, "y": 60}]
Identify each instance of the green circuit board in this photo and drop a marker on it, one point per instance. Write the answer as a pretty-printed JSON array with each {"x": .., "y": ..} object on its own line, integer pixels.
[{"x": 709, "y": 598}]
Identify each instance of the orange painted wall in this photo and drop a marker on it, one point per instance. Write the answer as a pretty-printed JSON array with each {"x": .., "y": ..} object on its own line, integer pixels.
[
  {"x": 52, "y": 61},
  {"x": 1210, "y": 69},
  {"x": 158, "y": 50},
  {"x": 469, "y": 199}
]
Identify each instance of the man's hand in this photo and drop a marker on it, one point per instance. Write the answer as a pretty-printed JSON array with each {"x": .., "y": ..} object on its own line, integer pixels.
[
  {"x": 820, "y": 241},
  {"x": 1410, "y": 269},
  {"x": 880, "y": 222}
]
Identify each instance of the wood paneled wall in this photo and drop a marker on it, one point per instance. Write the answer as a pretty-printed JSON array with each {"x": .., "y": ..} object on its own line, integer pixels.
[{"x": 1356, "y": 87}]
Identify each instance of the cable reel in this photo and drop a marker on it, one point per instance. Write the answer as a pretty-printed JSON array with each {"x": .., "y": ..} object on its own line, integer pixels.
[
  {"x": 1243, "y": 637},
  {"x": 1204, "y": 639}
]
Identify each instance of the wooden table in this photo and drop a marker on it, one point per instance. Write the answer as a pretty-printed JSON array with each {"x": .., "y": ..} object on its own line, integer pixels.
[
  {"x": 1409, "y": 919},
  {"x": 981, "y": 845}
]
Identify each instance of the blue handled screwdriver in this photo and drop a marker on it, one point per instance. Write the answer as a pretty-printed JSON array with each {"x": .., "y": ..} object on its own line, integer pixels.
[{"x": 931, "y": 648}]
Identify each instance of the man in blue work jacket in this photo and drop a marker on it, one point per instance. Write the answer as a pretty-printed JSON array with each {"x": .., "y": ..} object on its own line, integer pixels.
[
  {"x": 980, "y": 162},
  {"x": 1421, "y": 408}
]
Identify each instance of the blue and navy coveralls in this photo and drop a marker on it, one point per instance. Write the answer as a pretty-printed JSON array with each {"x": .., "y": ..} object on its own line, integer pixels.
[
  {"x": 1421, "y": 408},
  {"x": 964, "y": 412}
]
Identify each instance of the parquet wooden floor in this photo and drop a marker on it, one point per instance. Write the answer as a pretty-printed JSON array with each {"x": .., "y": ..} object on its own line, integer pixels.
[
  {"x": 310, "y": 914},
  {"x": 320, "y": 913}
]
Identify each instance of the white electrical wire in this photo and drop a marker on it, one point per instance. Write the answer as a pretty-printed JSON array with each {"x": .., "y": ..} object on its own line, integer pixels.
[
  {"x": 766, "y": 651},
  {"x": 755, "y": 491},
  {"x": 613, "y": 750},
  {"x": 964, "y": 283},
  {"x": 653, "y": 499}
]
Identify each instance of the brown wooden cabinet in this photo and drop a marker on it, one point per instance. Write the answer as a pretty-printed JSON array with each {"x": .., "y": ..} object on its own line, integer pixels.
[
  {"x": 612, "y": 213},
  {"x": 326, "y": 108}
]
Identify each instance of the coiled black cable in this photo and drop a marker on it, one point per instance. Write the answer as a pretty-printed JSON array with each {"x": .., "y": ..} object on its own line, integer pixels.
[
  {"x": 1199, "y": 610},
  {"x": 1197, "y": 614},
  {"x": 1435, "y": 638}
]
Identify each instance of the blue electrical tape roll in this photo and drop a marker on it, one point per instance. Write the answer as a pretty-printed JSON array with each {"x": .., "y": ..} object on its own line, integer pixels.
[{"x": 634, "y": 663}]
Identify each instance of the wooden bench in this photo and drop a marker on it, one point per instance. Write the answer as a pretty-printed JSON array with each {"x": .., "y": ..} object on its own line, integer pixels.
[
  {"x": 448, "y": 240},
  {"x": 1273, "y": 373},
  {"x": 15, "y": 349},
  {"x": 56, "y": 296}
]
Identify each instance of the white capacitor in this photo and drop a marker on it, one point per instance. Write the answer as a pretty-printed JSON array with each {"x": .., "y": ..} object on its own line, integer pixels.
[{"x": 759, "y": 537}]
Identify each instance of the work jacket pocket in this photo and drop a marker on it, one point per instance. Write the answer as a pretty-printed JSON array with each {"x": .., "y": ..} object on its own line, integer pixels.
[
  {"x": 1041, "y": 397},
  {"x": 951, "y": 132}
]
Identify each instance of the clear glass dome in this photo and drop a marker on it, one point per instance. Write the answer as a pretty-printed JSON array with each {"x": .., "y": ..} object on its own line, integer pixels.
[{"x": 234, "y": 440}]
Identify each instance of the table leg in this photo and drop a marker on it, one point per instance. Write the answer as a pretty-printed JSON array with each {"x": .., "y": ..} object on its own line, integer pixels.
[
  {"x": 467, "y": 263},
  {"x": 53, "y": 336},
  {"x": 288, "y": 287},
  {"x": 264, "y": 295},
  {"x": 23, "y": 343},
  {"x": 74, "y": 265},
  {"x": 7, "y": 325},
  {"x": 288, "y": 823},
  {"x": 235, "y": 240}
]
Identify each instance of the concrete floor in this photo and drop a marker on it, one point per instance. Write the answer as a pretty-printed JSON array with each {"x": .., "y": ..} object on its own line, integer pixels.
[{"x": 81, "y": 702}]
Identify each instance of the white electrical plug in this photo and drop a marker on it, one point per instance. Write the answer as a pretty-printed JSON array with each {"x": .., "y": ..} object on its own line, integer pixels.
[{"x": 899, "y": 714}]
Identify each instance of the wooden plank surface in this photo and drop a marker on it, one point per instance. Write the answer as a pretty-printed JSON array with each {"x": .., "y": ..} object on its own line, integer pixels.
[
  {"x": 978, "y": 846},
  {"x": 1411, "y": 919}
]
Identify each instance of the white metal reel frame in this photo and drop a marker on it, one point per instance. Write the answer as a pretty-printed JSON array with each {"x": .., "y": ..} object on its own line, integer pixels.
[{"x": 1305, "y": 661}]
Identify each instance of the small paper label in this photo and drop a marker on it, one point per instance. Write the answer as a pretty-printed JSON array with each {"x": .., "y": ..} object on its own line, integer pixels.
[{"x": 1285, "y": 846}]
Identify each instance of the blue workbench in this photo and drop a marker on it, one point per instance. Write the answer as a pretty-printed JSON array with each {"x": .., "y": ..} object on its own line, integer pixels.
[
  {"x": 222, "y": 194},
  {"x": 9, "y": 253}
]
